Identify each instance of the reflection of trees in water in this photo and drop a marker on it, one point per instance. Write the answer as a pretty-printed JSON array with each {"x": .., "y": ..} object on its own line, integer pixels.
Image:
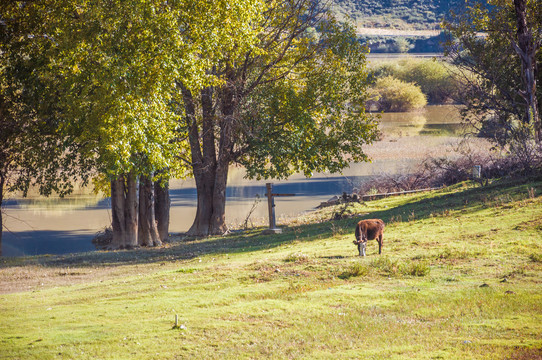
[
  {"x": 405, "y": 124},
  {"x": 443, "y": 130},
  {"x": 58, "y": 204},
  {"x": 82, "y": 197},
  {"x": 432, "y": 121}
]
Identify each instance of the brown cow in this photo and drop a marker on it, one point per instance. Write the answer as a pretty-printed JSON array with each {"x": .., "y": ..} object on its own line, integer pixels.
[{"x": 369, "y": 230}]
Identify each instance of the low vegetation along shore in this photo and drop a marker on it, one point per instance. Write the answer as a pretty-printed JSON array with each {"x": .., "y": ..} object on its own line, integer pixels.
[{"x": 459, "y": 277}]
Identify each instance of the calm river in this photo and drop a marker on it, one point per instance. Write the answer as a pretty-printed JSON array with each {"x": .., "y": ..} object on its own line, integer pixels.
[{"x": 57, "y": 226}]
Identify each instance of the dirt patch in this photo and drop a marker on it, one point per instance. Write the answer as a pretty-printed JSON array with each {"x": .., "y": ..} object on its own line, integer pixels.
[
  {"x": 35, "y": 277},
  {"x": 535, "y": 224},
  {"x": 396, "y": 32},
  {"x": 30, "y": 274}
]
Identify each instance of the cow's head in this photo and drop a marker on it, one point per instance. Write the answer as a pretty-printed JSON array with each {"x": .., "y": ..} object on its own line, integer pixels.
[{"x": 362, "y": 244}]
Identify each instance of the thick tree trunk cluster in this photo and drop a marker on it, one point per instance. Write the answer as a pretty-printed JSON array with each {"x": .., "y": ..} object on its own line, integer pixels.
[
  {"x": 210, "y": 160},
  {"x": 138, "y": 219}
]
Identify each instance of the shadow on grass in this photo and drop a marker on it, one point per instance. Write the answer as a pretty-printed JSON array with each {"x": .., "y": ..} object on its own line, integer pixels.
[
  {"x": 185, "y": 249},
  {"x": 449, "y": 199}
]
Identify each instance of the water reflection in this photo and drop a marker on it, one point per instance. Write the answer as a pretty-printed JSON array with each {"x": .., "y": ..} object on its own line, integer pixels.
[
  {"x": 443, "y": 120},
  {"x": 37, "y": 225},
  {"x": 58, "y": 204}
]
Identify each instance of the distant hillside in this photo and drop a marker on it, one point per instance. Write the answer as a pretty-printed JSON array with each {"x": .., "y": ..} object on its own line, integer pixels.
[
  {"x": 398, "y": 26},
  {"x": 398, "y": 14}
]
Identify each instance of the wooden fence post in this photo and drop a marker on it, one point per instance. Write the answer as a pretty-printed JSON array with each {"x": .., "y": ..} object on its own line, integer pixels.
[{"x": 273, "y": 229}]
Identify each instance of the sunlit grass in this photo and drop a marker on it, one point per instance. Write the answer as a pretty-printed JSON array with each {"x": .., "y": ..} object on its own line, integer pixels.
[{"x": 459, "y": 277}]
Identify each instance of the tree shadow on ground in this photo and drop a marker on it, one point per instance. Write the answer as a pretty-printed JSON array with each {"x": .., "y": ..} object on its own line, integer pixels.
[{"x": 182, "y": 249}]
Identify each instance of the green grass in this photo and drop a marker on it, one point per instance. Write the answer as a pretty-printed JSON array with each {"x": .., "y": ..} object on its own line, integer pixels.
[{"x": 459, "y": 277}]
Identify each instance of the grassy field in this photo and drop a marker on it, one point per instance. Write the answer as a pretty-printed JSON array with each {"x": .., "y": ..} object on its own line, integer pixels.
[{"x": 459, "y": 277}]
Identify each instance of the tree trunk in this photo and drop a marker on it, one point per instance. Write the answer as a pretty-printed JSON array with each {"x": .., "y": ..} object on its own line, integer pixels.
[
  {"x": 526, "y": 49},
  {"x": 124, "y": 204},
  {"x": 218, "y": 218},
  {"x": 131, "y": 211},
  {"x": 210, "y": 168},
  {"x": 225, "y": 151},
  {"x": 204, "y": 211},
  {"x": 147, "y": 231},
  {"x": 118, "y": 222},
  {"x": 203, "y": 159},
  {"x": 162, "y": 205}
]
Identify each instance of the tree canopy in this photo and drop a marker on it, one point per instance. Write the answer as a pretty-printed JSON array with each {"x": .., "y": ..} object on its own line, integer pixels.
[
  {"x": 501, "y": 92},
  {"x": 136, "y": 88},
  {"x": 111, "y": 71},
  {"x": 294, "y": 102}
]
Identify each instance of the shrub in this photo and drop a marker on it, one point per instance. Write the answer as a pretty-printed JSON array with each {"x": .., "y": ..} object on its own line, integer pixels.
[
  {"x": 433, "y": 77},
  {"x": 297, "y": 257},
  {"x": 400, "y": 45},
  {"x": 415, "y": 268},
  {"x": 386, "y": 265},
  {"x": 392, "y": 94},
  {"x": 436, "y": 172},
  {"x": 354, "y": 270}
]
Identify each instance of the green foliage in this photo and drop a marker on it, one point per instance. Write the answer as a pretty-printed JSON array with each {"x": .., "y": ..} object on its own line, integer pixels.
[
  {"x": 314, "y": 112},
  {"x": 116, "y": 66},
  {"x": 392, "y": 94},
  {"x": 435, "y": 78},
  {"x": 491, "y": 71},
  {"x": 33, "y": 150}
]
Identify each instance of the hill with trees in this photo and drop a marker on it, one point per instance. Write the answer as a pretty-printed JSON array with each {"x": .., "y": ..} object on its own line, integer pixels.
[
  {"x": 398, "y": 26},
  {"x": 400, "y": 14}
]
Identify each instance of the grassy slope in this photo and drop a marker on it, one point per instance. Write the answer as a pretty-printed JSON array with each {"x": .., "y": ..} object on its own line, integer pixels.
[{"x": 303, "y": 294}]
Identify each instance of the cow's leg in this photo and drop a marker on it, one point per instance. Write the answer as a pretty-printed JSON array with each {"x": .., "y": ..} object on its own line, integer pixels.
[
  {"x": 380, "y": 244},
  {"x": 359, "y": 248},
  {"x": 363, "y": 247}
]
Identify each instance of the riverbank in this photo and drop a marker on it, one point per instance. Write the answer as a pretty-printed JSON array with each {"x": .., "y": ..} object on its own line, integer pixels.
[
  {"x": 56, "y": 226},
  {"x": 459, "y": 277}
]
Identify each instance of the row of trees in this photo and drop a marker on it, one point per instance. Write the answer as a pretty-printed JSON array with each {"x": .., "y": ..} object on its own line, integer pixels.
[{"x": 128, "y": 94}]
